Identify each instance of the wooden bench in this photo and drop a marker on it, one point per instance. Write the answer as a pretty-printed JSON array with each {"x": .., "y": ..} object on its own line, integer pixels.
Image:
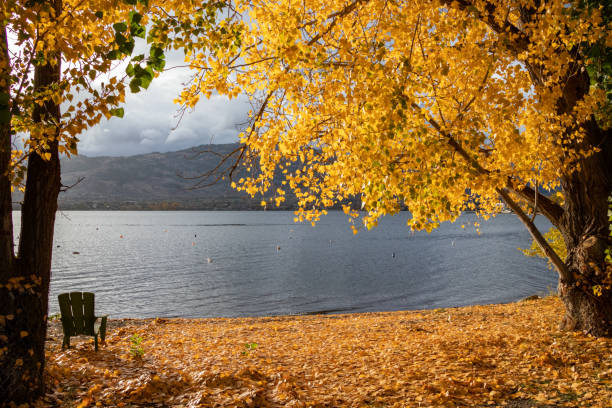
[{"x": 78, "y": 317}]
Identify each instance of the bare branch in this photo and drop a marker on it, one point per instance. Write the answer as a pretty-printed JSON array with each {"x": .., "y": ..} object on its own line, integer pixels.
[
  {"x": 220, "y": 170},
  {"x": 416, "y": 28},
  {"x": 64, "y": 188},
  {"x": 545, "y": 205}
]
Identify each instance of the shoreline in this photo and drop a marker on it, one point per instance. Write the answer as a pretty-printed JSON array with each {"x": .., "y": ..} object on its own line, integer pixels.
[
  {"x": 54, "y": 322},
  {"x": 509, "y": 355},
  {"x": 322, "y": 313}
]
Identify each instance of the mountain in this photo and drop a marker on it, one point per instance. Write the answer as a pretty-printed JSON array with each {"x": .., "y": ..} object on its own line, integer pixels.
[{"x": 155, "y": 181}]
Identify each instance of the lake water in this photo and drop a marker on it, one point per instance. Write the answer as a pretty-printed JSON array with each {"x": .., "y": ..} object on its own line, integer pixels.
[{"x": 204, "y": 264}]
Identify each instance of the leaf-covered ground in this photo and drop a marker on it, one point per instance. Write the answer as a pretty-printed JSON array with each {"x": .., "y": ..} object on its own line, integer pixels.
[{"x": 498, "y": 355}]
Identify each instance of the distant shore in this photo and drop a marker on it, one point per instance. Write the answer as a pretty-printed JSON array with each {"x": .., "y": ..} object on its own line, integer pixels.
[{"x": 508, "y": 355}]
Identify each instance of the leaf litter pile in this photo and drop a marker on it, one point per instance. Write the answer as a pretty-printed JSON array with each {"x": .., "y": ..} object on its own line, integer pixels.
[{"x": 498, "y": 355}]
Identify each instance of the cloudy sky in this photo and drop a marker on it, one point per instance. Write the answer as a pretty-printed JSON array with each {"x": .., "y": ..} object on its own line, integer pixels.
[{"x": 150, "y": 121}]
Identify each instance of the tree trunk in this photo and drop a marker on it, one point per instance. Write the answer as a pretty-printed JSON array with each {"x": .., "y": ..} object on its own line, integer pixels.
[
  {"x": 585, "y": 231},
  {"x": 7, "y": 258},
  {"x": 585, "y": 226},
  {"x": 586, "y": 312},
  {"x": 6, "y": 217},
  {"x": 25, "y": 281}
]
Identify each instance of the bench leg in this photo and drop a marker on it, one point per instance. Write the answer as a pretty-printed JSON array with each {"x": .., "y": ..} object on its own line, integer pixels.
[
  {"x": 103, "y": 330},
  {"x": 96, "y": 342}
]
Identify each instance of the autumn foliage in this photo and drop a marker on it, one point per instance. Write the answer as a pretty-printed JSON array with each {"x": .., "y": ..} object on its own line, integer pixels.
[
  {"x": 474, "y": 356},
  {"x": 433, "y": 106},
  {"x": 424, "y": 104},
  {"x": 436, "y": 107}
]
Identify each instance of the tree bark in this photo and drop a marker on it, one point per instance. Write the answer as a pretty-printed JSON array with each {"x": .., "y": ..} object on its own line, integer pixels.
[
  {"x": 7, "y": 258},
  {"x": 25, "y": 284},
  {"x": 584, "y": 227},
  {"x": 6, "y": 217}
]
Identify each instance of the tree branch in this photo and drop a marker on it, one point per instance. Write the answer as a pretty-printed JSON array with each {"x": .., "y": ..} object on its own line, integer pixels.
[
  {"x": 564, "y": 272},
  {"x": 64, "y": 188},
  {"x": 520, "y": 41},
  {"x": 560, "y": 266},
  {"x": 339, "y": 14},
  {"x": 516, "y": 40},
  {"x": 220, "y": 170},
  {"x": 535, "y": 203},
  {"x": 548, "y": 207}
]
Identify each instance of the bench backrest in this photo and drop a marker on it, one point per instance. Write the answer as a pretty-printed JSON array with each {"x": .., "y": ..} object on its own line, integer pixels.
[{"x": 77, "y": 310}]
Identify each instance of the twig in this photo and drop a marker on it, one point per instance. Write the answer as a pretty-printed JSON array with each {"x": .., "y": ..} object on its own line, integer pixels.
[{"x": 64, "y": 188}]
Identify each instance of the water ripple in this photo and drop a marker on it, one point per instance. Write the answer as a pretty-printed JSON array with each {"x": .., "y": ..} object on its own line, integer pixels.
[{"x": 199, "y": 264}]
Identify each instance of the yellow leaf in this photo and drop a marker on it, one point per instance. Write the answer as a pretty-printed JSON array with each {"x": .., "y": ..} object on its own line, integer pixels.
[{"x": 84, "y": 403}]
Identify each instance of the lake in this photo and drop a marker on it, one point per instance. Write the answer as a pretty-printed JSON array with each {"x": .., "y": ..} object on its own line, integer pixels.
[{"x": 210, "y": 264}]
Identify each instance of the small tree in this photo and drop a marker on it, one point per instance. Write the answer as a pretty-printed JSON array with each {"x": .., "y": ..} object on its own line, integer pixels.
[{"x": 62, "y": 54}]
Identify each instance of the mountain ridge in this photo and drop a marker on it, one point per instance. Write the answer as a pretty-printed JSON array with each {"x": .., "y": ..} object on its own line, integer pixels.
[{"x": 152, "y": 181}]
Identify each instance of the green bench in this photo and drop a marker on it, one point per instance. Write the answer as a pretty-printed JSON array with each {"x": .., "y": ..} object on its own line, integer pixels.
[{"x": 78, "y": 317}]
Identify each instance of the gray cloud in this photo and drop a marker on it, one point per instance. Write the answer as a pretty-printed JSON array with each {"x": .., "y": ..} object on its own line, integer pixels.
[
  {"x": 150, "y": 121},
  {"x": 150, "y": 117}
]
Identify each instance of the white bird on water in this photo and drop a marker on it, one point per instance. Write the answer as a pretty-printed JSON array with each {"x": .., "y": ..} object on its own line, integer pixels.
[{"x": 209, "y": 260}]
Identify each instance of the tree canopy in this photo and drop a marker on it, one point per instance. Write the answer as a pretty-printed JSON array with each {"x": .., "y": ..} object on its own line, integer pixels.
[
  {"x": 423, "y": 104},
  {"x": 434, "y": 106},
  {"x": 437, "y": 107}
]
